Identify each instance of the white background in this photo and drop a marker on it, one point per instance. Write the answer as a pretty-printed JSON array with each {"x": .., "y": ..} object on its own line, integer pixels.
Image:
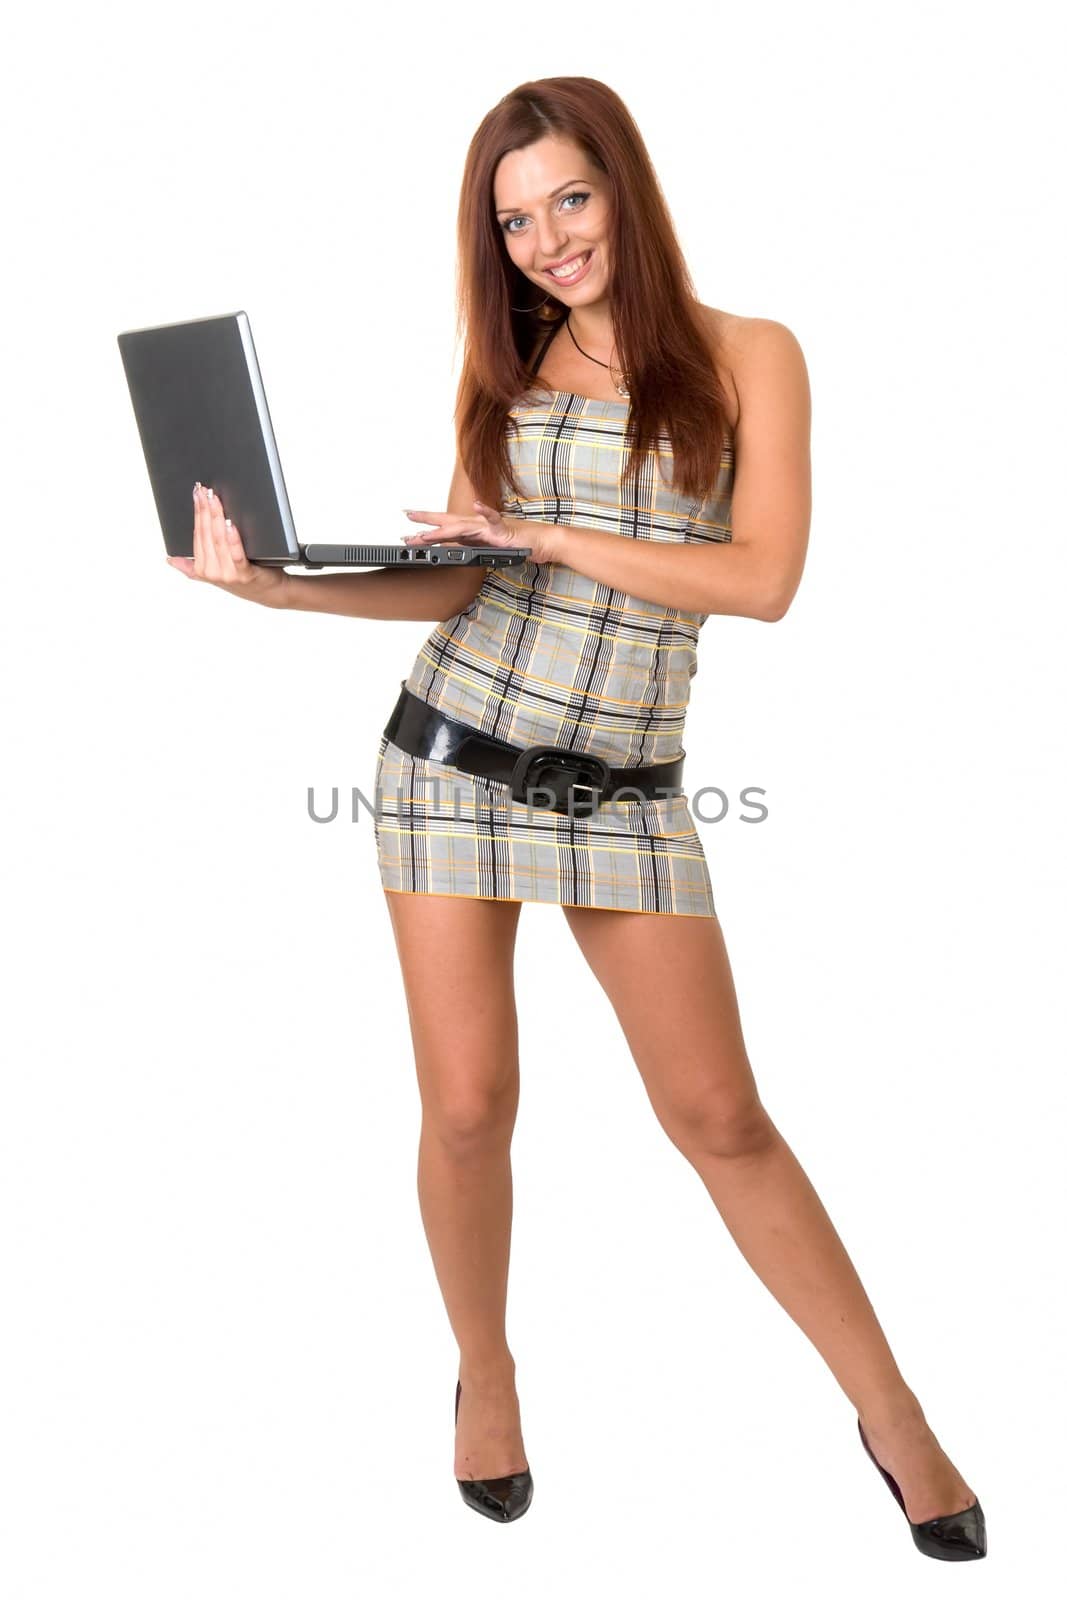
[{"x": 227, "y": 1369}]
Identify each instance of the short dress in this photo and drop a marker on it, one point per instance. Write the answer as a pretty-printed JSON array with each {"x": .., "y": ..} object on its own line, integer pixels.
[{"x": 545, "y": 655}]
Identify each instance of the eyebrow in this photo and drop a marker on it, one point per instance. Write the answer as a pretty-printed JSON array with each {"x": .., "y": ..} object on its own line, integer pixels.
[{"x": 516, "y": 210}]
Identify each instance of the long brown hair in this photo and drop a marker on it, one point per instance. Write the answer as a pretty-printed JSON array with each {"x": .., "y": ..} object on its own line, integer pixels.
[{"x": 662, "y": 337}]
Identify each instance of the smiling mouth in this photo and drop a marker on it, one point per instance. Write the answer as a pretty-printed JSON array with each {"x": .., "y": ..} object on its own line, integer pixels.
[{"x": 573, "y": 268}]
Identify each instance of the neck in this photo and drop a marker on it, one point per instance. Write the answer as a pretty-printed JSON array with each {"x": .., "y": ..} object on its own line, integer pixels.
[{"x": 593, "y": 328}]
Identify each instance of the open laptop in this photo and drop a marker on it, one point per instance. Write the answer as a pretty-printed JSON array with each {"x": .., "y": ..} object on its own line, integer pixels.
[{"x": 201, "y": 411}]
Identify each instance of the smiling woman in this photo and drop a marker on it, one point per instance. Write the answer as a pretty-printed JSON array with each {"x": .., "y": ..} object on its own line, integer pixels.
[
  {"x": 544, "y": 196},
  {"x": 653, "y": 453},
  {"x": 590, "y": 645}
]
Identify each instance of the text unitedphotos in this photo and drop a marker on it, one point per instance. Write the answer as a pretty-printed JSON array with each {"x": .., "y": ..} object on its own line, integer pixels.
[{"x": 478, "y": 798}]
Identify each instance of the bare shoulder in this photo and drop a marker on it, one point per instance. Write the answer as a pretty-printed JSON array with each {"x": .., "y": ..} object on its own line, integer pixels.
[
  {"x": 753, "y": 350},
  {"x": 737, "y": 335},
  {"x": 770, "y": 506}
]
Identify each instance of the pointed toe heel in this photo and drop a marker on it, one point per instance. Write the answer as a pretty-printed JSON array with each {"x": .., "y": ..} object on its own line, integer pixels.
[
  {"x": 960, "y": 1536},
  {"x": 502, "y": 1499}
]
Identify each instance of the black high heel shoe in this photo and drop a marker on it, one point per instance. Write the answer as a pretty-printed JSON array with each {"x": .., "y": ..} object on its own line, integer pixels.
[
  {"x": 503, "y": 1499},
  {"x": 960, "y": 1536}
]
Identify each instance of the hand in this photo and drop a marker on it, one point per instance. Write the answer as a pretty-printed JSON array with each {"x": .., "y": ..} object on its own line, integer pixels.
[
  {"x": 219, "y": 556},
  {"x": 487, "y": 527}
]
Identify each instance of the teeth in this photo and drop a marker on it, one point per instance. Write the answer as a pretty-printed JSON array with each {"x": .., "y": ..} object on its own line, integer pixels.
[{"x": 571, "y": 269}]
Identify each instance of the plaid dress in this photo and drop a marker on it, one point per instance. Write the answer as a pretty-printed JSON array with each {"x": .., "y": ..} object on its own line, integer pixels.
[{"x": 544, "y": 655}]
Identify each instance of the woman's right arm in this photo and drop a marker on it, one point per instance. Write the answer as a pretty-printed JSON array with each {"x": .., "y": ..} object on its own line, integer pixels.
[
  {"x": 395, "y": 594},
  {"x": 391, "y": 594}
]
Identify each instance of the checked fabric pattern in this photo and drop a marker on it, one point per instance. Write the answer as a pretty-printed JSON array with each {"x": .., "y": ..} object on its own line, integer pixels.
[{"x": 544, "y": 655}]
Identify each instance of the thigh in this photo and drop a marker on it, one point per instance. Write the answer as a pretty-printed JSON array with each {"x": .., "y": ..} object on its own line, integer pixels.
[
  {"x": 669, "y": 981},
  {"x": 457, "y": 959}
]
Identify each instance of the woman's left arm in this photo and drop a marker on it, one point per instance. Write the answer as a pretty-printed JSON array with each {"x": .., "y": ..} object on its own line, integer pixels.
[{"x": 757, "y": 573}]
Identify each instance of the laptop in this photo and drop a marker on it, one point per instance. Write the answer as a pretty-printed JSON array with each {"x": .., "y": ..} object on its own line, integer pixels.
[{"x": 201, "y": 411}]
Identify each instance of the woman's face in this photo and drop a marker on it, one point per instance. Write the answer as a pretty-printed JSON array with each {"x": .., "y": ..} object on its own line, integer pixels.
[{"x": 552, "y": 207}]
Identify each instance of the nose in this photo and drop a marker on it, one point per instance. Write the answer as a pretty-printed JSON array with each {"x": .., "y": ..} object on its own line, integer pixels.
[{"x": 551, "y": 240}]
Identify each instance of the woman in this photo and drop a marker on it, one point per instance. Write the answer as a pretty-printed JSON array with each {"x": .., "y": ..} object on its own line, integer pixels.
[{"x": 652, "y": 454}]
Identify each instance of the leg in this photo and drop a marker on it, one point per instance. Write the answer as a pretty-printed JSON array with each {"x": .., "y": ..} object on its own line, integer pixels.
[
  {"x": 456, "y": 956},
  {"x": 691, "y": 1054}
]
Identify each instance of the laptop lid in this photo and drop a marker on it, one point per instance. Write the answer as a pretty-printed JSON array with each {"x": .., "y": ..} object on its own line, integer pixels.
[
  {"x": 201, "y": 412},
  {"x": 202, "y": 415}
]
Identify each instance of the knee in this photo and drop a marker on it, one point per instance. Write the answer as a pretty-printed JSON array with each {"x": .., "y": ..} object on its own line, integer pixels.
[
  {"x": 722, "y": 1125},
  {"x": 471, "y": 1120}
]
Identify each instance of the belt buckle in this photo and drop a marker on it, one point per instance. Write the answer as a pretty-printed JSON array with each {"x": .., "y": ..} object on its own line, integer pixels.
[{"x": 546, "y": 767}]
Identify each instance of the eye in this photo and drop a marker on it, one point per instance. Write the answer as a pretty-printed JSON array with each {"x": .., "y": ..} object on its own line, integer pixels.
[{"x": 575, "y": 194}]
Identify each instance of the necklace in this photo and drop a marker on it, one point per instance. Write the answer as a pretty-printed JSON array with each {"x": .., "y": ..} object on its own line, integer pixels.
[{"x": 619, "y": 382}]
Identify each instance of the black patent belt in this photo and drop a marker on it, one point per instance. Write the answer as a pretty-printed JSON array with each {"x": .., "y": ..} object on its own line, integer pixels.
[{"x": 547, "y": 776}]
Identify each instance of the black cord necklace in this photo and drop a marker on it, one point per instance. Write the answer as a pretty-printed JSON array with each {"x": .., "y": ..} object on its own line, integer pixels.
[{"x": 619, "y": 382}]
